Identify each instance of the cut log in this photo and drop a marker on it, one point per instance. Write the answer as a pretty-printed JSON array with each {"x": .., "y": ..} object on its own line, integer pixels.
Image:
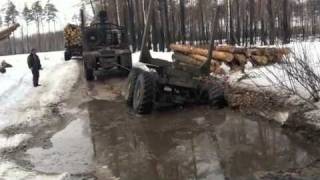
[
  {"x": 231, "y": 49},
  {"x": 72, "y": 35},
  {"x": 260, "y": 60},
  {"x": 178, "y": 57},
  {"x": 222, "y": 56},
  {"x": 218, "y": 55},
  {"x": 241, "y": 59},
  {"x": 192, "y": 61}
]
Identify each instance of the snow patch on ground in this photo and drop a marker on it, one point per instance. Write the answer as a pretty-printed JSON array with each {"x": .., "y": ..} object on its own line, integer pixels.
[
  {"x": 263, "y": 77},
  {"x": 13, "y": 141},
  {"x": 159, "y": 55},
  {"x": 10, "y": 171},
  {"x": 270, "y": 77},
  {"x": 20, "y": 102}
]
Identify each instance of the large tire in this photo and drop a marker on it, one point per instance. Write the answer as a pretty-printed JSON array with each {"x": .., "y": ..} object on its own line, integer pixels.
[
  {"x": 67, "y": 55},
  {"x": 129, "y": 89},
  {"x": 216, "y": 95},
  {"x": 88, "y": 73},
  {"x": 144, "y": 92}
]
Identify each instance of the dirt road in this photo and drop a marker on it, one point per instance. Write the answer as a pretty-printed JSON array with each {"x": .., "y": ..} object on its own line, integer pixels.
[{"x": 93, "y": 135}]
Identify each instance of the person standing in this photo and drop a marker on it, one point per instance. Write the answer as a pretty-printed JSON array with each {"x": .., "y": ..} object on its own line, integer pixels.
[{"x": 35, "y": 66}]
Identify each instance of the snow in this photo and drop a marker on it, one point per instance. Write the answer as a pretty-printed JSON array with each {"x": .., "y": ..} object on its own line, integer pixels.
[
  {"x": 159, "y": 55},
  {"x": 21, "y": 103},
  {"x": 10, "y": 171},
  {"x": 13, "y": 141},
  {"x": 20, "y": 100},
  {"x": 263, "y": 77}
]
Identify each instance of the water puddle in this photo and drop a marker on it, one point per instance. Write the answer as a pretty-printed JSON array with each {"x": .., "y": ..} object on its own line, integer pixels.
[
  {"x": 193, "y": 143},
  {"x": 71, "y": 150}
]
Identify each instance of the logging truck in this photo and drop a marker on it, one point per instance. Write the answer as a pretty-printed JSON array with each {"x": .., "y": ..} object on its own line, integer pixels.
[
  {"x": 171, "y": 83},
  {"x": 105, "y": 46}
]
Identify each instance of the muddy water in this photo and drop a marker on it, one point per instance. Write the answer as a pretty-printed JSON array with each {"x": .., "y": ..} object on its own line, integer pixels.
[{"x": 192, "y": 143}]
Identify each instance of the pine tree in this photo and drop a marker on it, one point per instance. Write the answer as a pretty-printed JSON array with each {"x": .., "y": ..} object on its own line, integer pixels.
[
  {"x": 37, "y": 14},
  {"x": 11, "y": 17},
  {"x": 28, "y": 18},
  {"x": 50, "y": 12}
]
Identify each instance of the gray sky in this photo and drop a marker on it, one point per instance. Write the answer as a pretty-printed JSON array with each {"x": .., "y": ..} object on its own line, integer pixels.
[{"x": 67, "y": 9}]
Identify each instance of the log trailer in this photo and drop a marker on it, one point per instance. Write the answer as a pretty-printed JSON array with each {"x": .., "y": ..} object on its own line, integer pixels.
[{"x": 169, "y": 82}]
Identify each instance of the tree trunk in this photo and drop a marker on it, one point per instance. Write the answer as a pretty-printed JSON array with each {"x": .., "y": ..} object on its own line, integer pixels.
[
  {"x": 252, "y": 20},
  {"x": 286, "y": 22},
  {"x": 131, "y": 26},
  {"x": 271, "y": 22},
  {"x": 182, "y": 22}
]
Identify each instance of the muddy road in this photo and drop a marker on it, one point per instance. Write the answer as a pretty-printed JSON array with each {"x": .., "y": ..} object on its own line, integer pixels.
[{"x": 98, "y": 137}]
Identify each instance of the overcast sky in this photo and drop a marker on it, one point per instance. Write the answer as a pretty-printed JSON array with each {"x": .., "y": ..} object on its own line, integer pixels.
[{"x": 67, "y": 9}]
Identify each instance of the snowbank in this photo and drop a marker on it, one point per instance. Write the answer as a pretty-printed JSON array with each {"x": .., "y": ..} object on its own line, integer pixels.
[
  {"x": 10, "y": 171},
  {"x": 286, "y": 109},
  {"x": 20, "y": 101},
  {"x": 13, "y": 141}
]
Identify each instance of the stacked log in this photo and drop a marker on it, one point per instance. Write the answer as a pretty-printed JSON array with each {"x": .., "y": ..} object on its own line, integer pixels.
[
  {"x": 72, "y": 35},
  {"x": 233, "y": 56}
]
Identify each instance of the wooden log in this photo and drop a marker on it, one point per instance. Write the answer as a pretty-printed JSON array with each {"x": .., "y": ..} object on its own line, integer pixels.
[
  {"x": 260, "y": 60},
  {"x": 194, "y": 61},
  {"x": 231, "y": 49},
  {"x": 218, "y": 55},
  {"x": 241, "y": 59},
  {"x": 186, "y": 59}
]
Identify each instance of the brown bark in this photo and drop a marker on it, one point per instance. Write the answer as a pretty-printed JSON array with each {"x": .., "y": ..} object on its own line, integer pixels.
[
  {"x": 218, "y": 55},
  {"x": 260, "y": 60}
]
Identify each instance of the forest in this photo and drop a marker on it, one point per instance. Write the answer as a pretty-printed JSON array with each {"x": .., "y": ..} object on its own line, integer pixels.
[{"x": 241, "y": 22}]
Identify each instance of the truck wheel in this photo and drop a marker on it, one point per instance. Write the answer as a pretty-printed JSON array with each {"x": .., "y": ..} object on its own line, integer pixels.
[
  {"x": 88, "y": 73},
  {"x": 67, "y": 55},
  {"x": 143, "y": 94},
  {"x": 129, "y": 89},
  {"x": 216, "y": 96}
]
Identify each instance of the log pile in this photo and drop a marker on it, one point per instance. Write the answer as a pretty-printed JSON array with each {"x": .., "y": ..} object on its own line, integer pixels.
[
  {"x": 72, "y": 35},
  {"x": 231, "y": 55},
  {"x": 3, "y": 66}
]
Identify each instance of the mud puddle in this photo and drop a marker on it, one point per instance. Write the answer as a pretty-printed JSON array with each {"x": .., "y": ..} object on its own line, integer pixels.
[{"x": 192, "y": 143}]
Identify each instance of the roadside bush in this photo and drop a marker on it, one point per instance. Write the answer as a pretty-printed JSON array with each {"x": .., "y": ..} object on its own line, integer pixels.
[{"x": 298, "y": 74}]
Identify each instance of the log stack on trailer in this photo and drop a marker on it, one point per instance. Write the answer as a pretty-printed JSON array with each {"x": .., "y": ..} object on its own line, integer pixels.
[
  {"x": 73, "y": 41},
  {"x": 230, "y": 55},
  {"x": 72, "y": 35}
]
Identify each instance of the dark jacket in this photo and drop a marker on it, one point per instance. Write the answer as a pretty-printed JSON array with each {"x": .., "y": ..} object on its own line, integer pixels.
[{"x": 34, "y": 62}]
